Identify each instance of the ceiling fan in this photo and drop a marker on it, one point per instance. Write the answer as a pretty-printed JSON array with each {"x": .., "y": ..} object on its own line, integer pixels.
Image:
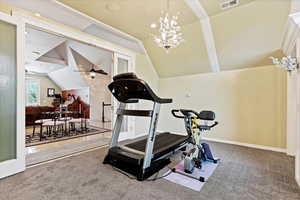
[
  {"x": 93, "y": 71},
  {"x": 29, "y": 72}
]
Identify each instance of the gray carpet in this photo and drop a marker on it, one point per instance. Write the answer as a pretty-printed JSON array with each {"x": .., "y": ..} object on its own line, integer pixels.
[{"x": 243, "y": 174}]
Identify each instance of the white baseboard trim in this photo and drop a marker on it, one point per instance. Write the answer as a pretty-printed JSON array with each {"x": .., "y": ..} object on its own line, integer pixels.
[
  {"x": 233, "y": 143},
  {"x": 246, "y": 145},
  {"x": 289, "y": 153}
]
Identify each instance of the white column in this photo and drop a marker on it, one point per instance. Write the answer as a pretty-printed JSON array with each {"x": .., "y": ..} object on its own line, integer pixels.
[
  {"x": 204, "y": 20},
  {"x": 297, "y": 159},
  {"x": 291, "y": 113}
]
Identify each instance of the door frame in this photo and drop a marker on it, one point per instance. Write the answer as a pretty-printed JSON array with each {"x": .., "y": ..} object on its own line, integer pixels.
[
  {"x": 11, "y": 167},
  {"x": 17, "y": 165},
  {"x": 131, "y": 121},
  {"x": 71, "y": 33},
  {"x": 297, "y": 157}
]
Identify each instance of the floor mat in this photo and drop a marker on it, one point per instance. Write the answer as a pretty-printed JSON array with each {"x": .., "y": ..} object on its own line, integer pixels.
[{"x": 206, "y": 171}]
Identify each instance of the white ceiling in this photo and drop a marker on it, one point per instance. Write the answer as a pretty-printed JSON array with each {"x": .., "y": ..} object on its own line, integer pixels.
[
  {"x": 39, "y": 43},
  {"x": 53, "y": 56},
  {"x": 46, "y": 52}
]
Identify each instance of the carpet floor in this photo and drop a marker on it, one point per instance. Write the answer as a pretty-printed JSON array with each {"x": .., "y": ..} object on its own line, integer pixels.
[{"x": 243, "y": 173}]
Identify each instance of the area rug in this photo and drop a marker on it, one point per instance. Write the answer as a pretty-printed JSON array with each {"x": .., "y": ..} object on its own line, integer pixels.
[
  {"x": 206, "y": 171},
  {"x": 34, "y": 141}
]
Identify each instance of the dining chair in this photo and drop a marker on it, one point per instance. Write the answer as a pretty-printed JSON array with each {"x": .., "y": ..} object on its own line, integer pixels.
[{"x": 54, "y": 126}]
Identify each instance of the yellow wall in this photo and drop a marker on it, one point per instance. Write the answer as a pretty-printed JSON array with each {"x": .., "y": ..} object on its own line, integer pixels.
[
  {"x": 146, "y": 71},
  {"x": 249, "y": 104}
]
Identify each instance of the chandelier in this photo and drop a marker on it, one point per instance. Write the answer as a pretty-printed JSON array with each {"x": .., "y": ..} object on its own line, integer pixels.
[
  {"x": 288, "y": 63},
  {"x": 170, "y": 35}
]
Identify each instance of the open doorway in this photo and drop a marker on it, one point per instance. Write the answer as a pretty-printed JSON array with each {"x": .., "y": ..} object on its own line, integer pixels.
[{"x": 68, "y": 105}]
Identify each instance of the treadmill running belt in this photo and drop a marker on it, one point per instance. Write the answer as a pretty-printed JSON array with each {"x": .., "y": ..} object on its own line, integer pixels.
[{"x": 162, "y": 142}]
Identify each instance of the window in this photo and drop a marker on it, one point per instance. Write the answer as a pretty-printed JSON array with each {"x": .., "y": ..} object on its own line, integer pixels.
[{"x": 32, "y": 92}]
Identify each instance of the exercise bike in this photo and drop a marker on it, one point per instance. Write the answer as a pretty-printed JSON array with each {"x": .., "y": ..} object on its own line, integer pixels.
[{"x": 196, "y": 152}]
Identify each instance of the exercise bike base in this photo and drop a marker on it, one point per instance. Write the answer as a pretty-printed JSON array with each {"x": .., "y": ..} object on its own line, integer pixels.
[{"x": 201, "y": 178}]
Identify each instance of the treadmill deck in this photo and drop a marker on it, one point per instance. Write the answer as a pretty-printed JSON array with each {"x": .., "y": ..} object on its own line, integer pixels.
[{"x": 163, "y": 142}]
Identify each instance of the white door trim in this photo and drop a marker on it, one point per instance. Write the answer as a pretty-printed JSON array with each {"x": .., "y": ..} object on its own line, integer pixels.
[
  {"x": 12, "y": 167},
  {"x": 297, "y": 158},
  {"x": 17, "y": 165},
  {"x": 79, "y": 36},
  {"x": 291, "y": 128},
  {"x": 131, "y": 121}
]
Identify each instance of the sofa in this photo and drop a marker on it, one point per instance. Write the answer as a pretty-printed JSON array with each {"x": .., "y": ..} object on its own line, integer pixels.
[
  {"x": 34, "y": 113},
  {"x": 78, "y": 106}
]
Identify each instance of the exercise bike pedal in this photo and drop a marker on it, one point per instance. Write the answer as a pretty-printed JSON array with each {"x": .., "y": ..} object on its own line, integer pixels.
[
  {"x": 201, "y": 179},
  {"x": 188, "y": 172}
]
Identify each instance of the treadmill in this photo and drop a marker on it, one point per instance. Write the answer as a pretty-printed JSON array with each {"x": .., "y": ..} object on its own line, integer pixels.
[{"x": 145, "y": 157}]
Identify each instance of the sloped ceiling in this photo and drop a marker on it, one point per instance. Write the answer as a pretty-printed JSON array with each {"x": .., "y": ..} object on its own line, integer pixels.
[
  {"x": 245, "y": 35},
  {"x": 188, "y": 58},
  {"x": 212, "y": 7},
  {"x": 94, "y": 55},
  {"x": 131, "y": 16},
  {"x": 54, "y": 56},
  {"x": 39, "y": 43}
]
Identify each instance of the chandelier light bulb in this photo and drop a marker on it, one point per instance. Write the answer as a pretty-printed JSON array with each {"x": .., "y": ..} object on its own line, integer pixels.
[
  {"x": 287, "y": 63},
  {"x": 170, "y": 35},
  {"x": 92, "y": 75},
  {"x": 153, "y": 25}
]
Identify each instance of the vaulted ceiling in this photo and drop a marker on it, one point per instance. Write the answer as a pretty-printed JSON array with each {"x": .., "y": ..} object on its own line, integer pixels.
[
  {"x": 213, "y": 7},
  {"x": 60, "y": 58},
  {"x": 131, "y": 16},
  {"x": 244, "y": 36}
]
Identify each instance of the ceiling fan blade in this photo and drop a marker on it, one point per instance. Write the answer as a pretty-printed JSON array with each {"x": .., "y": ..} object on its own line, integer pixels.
[
  {"x": 101, "y": 72},
  {"x": 80, "y": 71}
]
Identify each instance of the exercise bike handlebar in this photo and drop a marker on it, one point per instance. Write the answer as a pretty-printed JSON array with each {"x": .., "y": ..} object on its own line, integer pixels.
[
  {"x": 184, "y": 113},
  {"x": 207, "y": 127},
  {"x": 215, "y": 124},
  {"x": 176, "y": 115}
]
